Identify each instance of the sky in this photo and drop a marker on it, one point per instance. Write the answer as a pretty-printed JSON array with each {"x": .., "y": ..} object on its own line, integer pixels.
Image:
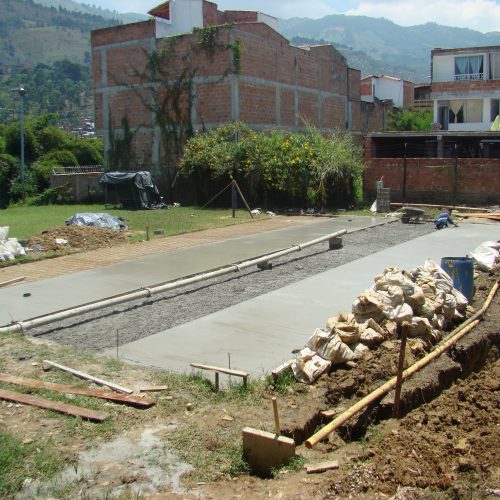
[{"x": 480, "y": 15}]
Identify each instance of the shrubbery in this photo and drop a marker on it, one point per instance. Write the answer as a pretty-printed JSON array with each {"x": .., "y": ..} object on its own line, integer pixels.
[
  {"x": 290, "y": 168},
  {"x": 46, "y": 147}
]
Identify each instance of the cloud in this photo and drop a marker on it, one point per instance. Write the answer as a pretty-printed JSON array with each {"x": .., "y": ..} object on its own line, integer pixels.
[{"x": 480, "y": 15}]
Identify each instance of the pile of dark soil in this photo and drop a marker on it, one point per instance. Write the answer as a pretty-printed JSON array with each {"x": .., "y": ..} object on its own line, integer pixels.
[{"x": 77, "y": 237}]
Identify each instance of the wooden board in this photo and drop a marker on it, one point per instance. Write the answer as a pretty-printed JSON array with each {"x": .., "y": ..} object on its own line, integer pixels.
[
  {"x": 66, "y": 409},
  {"x": 86, "y": 376},
  {"x": 237, "y": 373},
  {"x": 154, "y": 388},
  {"x": 483, "y": 215},
  {"x": 322, "y": 467},
  {"x": 131, "y": 400}
]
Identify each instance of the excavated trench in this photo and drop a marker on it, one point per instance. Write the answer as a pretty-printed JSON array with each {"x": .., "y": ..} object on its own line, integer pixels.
[{"x": 345, "y": 387}]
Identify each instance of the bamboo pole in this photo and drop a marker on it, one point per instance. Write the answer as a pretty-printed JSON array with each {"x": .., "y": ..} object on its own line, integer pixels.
[
  {"x": 455, "y": 335},
  {"x": 384, "y": 389}
]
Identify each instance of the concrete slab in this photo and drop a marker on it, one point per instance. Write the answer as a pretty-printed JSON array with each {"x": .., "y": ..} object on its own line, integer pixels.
[
  {"x": 67, "y": 291},
  {"x": 260, "y": 333}
]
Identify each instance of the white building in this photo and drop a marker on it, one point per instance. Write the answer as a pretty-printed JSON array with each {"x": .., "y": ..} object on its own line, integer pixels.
[
  {"x": 174, "y": 17},
  {"x": 387, "y": 88},
  {"x": 465, "y": 87}
]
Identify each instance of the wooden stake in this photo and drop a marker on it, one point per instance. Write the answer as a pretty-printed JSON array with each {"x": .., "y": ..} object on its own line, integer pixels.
[
  {"x": 399, "y": 379},
  {"x": 86, "y": 376},
  {"x": 66, "y": 409},
  {"x": 277, "y": 428}
]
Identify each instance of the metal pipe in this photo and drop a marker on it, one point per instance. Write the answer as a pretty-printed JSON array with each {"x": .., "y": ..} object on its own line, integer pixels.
[{"x": 145, "y": 292}]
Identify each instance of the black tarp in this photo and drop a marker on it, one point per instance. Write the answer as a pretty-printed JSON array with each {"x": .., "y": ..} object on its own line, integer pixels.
[{"x": 131, "y": 189}]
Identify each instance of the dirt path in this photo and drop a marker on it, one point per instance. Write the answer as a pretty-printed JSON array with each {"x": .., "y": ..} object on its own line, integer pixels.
[{"x": 83, "y": 261}]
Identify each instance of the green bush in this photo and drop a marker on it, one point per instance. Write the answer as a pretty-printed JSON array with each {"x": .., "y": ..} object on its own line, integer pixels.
[
  {"x": 61, "y": 157},
  {"x": 299, "y": 168},
  {"x": 9, "y": 169},
  {"x": 52, "y": 138},
  {"x": 88, "y": 151},
  {"x": 41, "y": 172},
  {"x": 61, "y": 195}
]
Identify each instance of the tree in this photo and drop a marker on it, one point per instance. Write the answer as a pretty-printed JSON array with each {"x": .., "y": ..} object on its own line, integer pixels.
[{"x": 410, "y": 120}]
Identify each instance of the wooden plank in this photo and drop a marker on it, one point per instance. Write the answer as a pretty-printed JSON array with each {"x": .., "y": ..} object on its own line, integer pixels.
[
  {"x": 227, "y": 371},
  {"x": 86, "y": 376},
  {"x": 281, "y": 368},
  {"x": 13, "y": 280},
  {"x": 66, "y": 409},
  {"x": 322, "y": 467},
  {"x": 495, "y": 216},
  {"x": 137, "y": 401},
  {"x": 154, "y": 388}
]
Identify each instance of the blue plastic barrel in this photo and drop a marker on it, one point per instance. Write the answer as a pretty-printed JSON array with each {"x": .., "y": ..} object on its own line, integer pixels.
[{"x": 461, "y": 270}]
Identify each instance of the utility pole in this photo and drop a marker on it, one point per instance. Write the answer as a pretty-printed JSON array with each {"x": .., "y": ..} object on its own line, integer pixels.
[{"x": 22, "y": 93}]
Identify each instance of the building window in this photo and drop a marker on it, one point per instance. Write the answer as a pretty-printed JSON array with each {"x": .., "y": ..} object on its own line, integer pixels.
[
  {"x": 469, "y": 68},
  {"x": 466, "y": 111},
  {"x": 495, "y": 109}
]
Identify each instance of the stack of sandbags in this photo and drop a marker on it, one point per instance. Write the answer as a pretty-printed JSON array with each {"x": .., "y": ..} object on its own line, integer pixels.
[
  {"x": 422, "y": 301},
  {"x": 10, "y": 248}
]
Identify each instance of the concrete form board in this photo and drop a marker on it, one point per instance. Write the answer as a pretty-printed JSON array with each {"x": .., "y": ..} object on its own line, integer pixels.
[{"x": 261, "y": 333}]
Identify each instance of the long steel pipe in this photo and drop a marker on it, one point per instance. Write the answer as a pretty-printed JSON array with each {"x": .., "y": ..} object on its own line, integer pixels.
[{"x": 145, "y": 292}]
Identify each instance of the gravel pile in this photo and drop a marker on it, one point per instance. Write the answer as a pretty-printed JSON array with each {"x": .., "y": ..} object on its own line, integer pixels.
[{"x": 141, "y": 318}]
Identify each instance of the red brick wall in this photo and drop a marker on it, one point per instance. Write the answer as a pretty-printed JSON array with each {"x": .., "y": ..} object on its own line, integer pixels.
[
  {"x": 366, "y": 87},
  {"x": 311, "y": 85},
  {"x": 432, "y": 180},
  {"x": 465, "y": 86},
  {"x": 408, "y": 94},
  {"x": 123, "y": 33}
]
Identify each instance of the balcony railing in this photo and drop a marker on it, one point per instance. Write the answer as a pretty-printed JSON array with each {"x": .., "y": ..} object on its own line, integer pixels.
[{"x": 470, "y": 76}]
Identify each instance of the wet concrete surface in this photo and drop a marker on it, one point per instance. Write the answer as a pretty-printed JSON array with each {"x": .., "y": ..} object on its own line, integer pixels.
[
  {"x": 260, "y": 333},
  {"x": 68, "y": 291}
]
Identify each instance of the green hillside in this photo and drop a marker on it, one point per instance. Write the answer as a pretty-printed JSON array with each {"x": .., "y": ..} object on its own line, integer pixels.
[
  {"x": 381, "y": 46},
  {"x": 31, "y": 33}
]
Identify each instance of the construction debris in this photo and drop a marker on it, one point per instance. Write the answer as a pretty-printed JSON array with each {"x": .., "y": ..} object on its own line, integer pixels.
[
  {"x": 137, "y": 401},
  {"x": 422, "y": 301},
  {"x": 66, "y": 409},
  {"x": 322, "y": 467},
  {"x": 86, "y": 376}
]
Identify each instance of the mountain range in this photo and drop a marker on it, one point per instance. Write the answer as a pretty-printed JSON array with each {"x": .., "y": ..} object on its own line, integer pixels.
[{"x": 51, "y": 30}]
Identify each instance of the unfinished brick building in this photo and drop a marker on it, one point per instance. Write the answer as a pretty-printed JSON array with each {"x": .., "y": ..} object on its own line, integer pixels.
[{"x": 153, "y": 88}]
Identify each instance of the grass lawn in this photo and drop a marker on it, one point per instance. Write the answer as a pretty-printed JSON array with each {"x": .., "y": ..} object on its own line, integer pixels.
[{"x": 29, "y": 220}]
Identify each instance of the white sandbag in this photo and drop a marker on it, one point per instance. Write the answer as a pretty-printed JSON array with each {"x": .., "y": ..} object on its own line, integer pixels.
[
  {"x": 417, "y": 299},
  {"x": 417, "y": 327},
  {"x": 486, "y": 255},
  {"x": 4, "y": 233},
  {"x": 336, "y": 351},
  {"x": 318, "y": 339},
  {"x": 308, "y": 366},
  {"x": 393, "y": 294},
  {"x": 390, "y": 329},
  {"x": 400, "y": 313},
  {"x": 359, "y": 350},
  {"x": 370, "y": 302},
  {"x": 6, "y": 252},
  {"x": 370, "y": 337},
  {"x": 345, "y": 326},
  {"x": 394, "y": 277}
]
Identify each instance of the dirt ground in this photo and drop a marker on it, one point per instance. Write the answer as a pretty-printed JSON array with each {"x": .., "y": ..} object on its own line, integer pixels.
[{"x": 188, "y": 444}]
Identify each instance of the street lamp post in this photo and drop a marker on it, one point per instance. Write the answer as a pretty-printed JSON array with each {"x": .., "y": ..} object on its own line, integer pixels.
[{"x": 22, "y": 93}]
